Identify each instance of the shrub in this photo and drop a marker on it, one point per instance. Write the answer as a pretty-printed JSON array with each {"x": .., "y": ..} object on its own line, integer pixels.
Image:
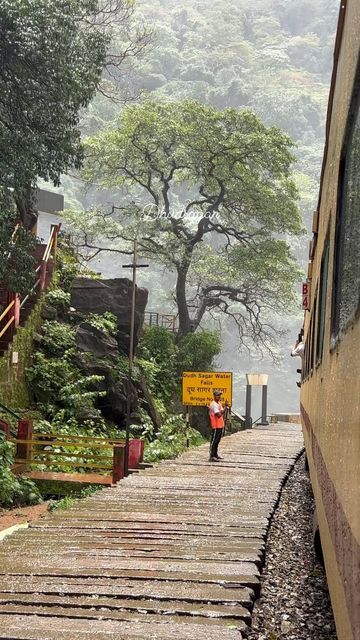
[
  {"x": 58, "y": 298},
  {"x": 156, "y": 344},
  {"x": 157, "y": 361},
  {"x": 56, "y": 337},
  {"x": 72, "y": 498},
  {"x": 64, "y": 426},
  {"x": 172, "y": 440},
  {"x": 49, "y": 376},
  {"x": 67, "y": 266},
  {"x": 58, "y": 384},
  {"x": 14, "y": 490},
  {"x": 105, "y": 322},
  {"x": 17, "y": 264},
  {"x": 198, "y": 350}
]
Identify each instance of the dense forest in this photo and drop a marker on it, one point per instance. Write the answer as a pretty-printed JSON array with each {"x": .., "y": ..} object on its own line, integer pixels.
[
  {"x": 221, "y": 106},
  {"x": 274, "y": 57}
]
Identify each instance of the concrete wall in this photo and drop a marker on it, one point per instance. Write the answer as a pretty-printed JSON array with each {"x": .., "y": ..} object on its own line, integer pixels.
[
  {"x": 48, "y": 205},
  {"x": 330, "y": 396}
]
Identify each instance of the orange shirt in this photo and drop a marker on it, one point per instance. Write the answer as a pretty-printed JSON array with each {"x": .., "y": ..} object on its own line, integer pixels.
[{"x": 217, "y": 422}]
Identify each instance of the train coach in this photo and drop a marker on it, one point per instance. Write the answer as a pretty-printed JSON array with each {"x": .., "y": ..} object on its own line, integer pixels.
[{"x": 330, "y": 389}]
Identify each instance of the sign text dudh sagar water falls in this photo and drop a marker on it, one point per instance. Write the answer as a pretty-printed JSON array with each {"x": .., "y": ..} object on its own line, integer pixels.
[{"x": 198, "y": 387}]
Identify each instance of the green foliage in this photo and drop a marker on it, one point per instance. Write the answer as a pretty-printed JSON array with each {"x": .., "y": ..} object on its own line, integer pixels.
[
  {"x": 67, "y": 266},
  {"x": 156, "y": 344},
  {"x": 56, "y": 337},
  {"x": 63, "y": 504},
  {"x": 58, "y": 42},
  {"x": 105, "y": 322},
  {"x": 14, "y": 490},
  {"x": 58, "y": 384},
  {"x": 198, "y": 350},
  {"x": 64, "y": 425},
  {"x": 157, "y": 359},
  {"x": 70, "y": 426},
  {"x": 17, "y": 266},
  {"x": 14, "y": 390},
  {"x": 192, "y": 143},
  {"x": 58, "y": 298},
  {"x": 172, "y": 440},
  {"x": 162, "y": 360},
  {"x": 48, "y": 376},
  {"x": 72, "y": 498},
  {"x": 202, "y": 184},
  {"x": 274, "y": 57}
]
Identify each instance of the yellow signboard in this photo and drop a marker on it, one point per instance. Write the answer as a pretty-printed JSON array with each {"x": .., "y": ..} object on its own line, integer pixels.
[{"x": 198, "y": 387}]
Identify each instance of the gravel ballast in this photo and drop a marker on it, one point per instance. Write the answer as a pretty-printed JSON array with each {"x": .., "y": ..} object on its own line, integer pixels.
[{"x": 294, "y": 602}]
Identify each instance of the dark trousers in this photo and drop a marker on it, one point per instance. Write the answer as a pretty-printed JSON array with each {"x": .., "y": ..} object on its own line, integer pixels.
[{"x": 215, "y": 440}]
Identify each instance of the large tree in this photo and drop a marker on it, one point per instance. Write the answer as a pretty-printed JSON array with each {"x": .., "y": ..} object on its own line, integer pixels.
[
  {"x": 52, "y": 56},
  {"x": 17, "y": 245},
  {"x": 209, "y": 195}
]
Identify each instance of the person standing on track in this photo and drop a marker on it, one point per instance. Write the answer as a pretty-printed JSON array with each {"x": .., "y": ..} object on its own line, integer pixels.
[{"x": 217, "y": 423}]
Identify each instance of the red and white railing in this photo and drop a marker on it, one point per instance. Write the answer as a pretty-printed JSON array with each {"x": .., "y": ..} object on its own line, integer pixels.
[{"x": 11, "y": 315}]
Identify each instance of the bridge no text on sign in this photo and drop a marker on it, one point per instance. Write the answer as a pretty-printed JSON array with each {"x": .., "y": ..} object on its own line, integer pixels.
[{"x": 198, "y": 387}]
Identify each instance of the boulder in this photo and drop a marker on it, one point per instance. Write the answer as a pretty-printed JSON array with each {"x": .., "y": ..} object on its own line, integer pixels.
[
  {"x": 92, "y": 340},
  {"x": 114, "y": 405},
  {"x": 115, "y": 295},
  {"x": 97, "y": 355},
  {"x": 48, "y": 312}
]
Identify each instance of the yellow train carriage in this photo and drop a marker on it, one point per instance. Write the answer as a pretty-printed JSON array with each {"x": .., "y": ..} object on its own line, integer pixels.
[{"x": 330, "y": 391}]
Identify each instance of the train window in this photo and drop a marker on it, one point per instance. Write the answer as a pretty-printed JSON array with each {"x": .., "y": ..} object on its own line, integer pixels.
[
  {"x": 305, "y": 367},
  {"x": 347, "y": 237},
  {"x": 322, "y": 302},
  {"x": 312, "y": 343},
  {"x": 309, "y": 345}
]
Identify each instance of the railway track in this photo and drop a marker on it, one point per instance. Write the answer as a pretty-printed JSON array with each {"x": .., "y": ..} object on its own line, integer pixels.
[{"x": 174, "y": 552}]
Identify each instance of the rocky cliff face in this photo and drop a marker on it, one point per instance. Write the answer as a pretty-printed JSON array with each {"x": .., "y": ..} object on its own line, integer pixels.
[
  {"x": 99, "y": 296},
  {"x": 99, "y": 354}
]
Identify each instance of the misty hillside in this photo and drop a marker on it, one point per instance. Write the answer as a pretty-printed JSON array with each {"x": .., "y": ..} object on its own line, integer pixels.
[{"x": 273, "y": 56}]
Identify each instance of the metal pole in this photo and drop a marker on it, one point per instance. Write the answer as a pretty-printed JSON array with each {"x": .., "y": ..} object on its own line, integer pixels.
[
  {"x": 248, "y": 407},
  {"x": 134, "y": 266},
  {"x": 187, "y": 426},
  {"x": 264, "y": 405},
  {"x": 131, "y": 358}
]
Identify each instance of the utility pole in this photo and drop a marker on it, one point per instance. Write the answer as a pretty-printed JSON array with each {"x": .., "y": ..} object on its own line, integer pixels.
[{"x": 134, "y": 266}]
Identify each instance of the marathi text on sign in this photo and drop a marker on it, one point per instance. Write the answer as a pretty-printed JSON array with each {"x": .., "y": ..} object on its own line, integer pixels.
[{"x": 198, "y": 387}]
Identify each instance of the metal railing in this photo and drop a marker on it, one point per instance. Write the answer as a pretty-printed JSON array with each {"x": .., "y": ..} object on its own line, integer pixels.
[
  {"x": 11, "y": 314},
  {"x": 166, "y": 320},
  {"x": 47, "y": 456},
  {"x": 7, "y": 312},
  {"x": 5, "y": 409}
]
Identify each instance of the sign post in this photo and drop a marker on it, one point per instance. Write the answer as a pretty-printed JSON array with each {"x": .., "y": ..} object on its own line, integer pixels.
[
  {"x": 187, "y": 422},
  {"x": 259, "y": 380},
  {"x": 134, "y": 266},
  {"x": 198, "y": 387}
]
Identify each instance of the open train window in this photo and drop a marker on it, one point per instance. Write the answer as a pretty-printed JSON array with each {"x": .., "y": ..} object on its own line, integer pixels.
[
  {"x": 346, "y": 290},
  {"x": 305, "y": 367},
  {"x": 322, "y": 302},
  {"x": 309, "y": 345}
]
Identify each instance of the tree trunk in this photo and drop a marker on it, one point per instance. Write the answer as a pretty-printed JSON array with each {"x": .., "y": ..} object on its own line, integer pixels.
[
  {"x": 184, "y": 316},
  {"x": 26, "y": 210}
]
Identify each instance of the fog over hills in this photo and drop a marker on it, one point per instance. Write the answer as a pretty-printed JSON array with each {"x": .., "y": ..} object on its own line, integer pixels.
[{"x": 273, "y": 56}]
